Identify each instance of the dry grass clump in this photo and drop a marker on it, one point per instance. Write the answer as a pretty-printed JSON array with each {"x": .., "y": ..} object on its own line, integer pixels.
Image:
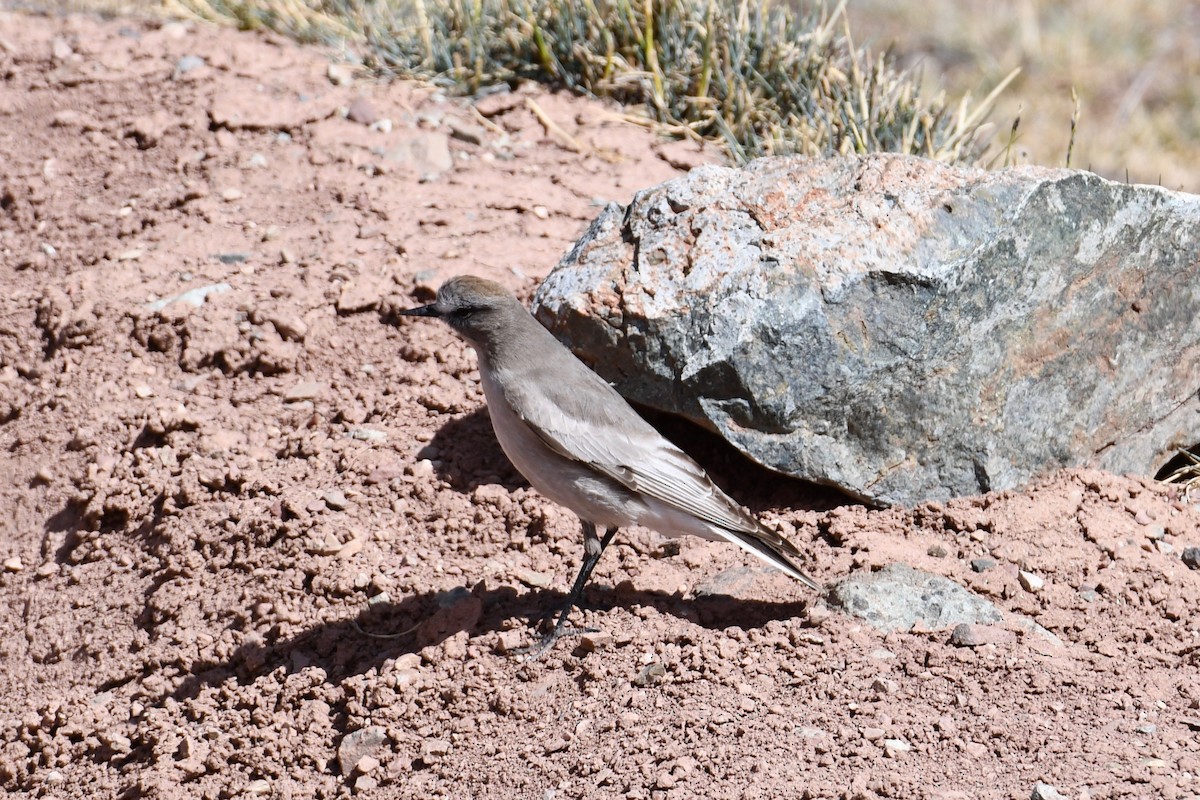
[{"x": 758, "y": 77}]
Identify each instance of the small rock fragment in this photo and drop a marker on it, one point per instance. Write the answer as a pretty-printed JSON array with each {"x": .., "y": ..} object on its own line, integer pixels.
[
  {"x": 536, "y": 580},
  {"x": 185, "y": 65},
  {"x": 591, "y": 642},
  {"x": 963, "y": 635},
  {"x": 13, "y": 564},
  {"x": 650, "y": 675},
  {"x": 1191, "y": 557},
  {"x": 982, "y": 564},
  {"x": 508, "y": 642},
  {"x": 359, "y": 744},
  {"x": 336, "y": 499},
  {"x": 340, "y": 74},
  {"x": 305, "y": 390},
  {"x": 1044, "y": 791},
  {"x": 433, "y": 750},
  {"x": 289, "y": 326},
  {"x": 465, "y": 132},
  {"x": 1030, "y": 582},
  {"x": 362, "y": 111}
]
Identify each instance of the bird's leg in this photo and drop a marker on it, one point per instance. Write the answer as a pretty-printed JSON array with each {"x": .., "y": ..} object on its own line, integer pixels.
[{"x": 593, "y": 547}]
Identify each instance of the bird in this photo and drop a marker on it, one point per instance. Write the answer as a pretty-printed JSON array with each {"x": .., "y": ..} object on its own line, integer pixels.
[{"x": 580, "y": 444}]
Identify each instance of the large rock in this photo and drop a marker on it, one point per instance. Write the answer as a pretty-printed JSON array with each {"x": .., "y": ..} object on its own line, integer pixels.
[{"x": 898, "y": 328}]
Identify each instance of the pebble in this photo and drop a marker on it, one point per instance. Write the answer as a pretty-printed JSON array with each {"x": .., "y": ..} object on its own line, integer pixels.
[
  {"x": 963, "y": 635},
  {"x": 186, "y": 64},
  {"x": 288, "y": 325},
  {"x": 1044, "y": 791},
  {"x": 1191, "y": 557},
  {"x": 367, "y": 435},
  {"x": 884, "y": 686},
  {"x": 465, "y": 132},
  {"x": 305, "y": 390},
  {"x": 13, "y": 564},
  {"x": 434, "y": 749},
  {"x": 359, "y": 744},
  {"x": 367, "y": 764},
  {"x": 937, "y": 551},
  {"x": 536, "y": 580},
  {"x": 339, "y": 74},
  {"x": 508, "y": 641},
  {"x": 591, "y": 642},
  {"x": 982, "y": 564},
  {"x": 362, "y": 111},
  {"x": 1030, "y": 582},
  {"x": 896, "y": 746},
  {"x": 336, "y": 499},
  {"x": 652, "y": 674}
]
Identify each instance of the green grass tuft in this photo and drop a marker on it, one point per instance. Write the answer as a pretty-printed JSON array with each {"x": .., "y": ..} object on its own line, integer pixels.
[{"x": 758, "y": 77}]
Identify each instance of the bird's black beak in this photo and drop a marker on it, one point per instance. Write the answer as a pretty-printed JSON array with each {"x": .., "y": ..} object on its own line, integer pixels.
[{"x": 421, "y": 311}]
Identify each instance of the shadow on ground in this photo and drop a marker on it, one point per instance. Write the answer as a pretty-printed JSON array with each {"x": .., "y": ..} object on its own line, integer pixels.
[{"x": 384, "y": 631}]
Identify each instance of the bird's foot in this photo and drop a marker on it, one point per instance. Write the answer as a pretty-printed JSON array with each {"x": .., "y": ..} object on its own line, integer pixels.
[{"x": 536, "y": 651}]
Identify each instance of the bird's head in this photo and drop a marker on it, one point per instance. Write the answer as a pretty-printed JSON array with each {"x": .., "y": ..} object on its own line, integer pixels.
[{"x": 474, "y": 307}]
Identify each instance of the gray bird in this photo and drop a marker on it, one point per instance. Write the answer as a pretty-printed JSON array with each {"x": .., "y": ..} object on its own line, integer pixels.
[{"x": 579, "y": 443}]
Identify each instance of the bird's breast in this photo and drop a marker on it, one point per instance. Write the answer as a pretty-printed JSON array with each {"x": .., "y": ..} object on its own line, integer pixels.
[{"x": 591, "y": 495}]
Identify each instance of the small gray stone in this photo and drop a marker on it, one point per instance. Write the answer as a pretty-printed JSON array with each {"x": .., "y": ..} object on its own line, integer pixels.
[
  {"x": 1191, "y": 557},
  {"x": 898, "y": 596},
  {"x": 963, "y": 635},
  {"x": 336, "y": 499},
  {"x": 186, "y": 64},
  {"x": 650, "y": 675},
  {"x": 359, "y": 744},
  {"x": 982, "y": 564},
  {"x": 1044, "y": 791}
]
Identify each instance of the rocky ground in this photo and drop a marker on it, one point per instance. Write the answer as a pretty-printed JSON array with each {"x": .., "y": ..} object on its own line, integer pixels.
[{"x": 259, "y": 539}]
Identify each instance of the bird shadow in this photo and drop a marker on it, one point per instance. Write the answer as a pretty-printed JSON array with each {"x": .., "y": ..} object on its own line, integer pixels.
[
  {"x": 384, "y": 631},
  {"x": 465, "y": 454}
]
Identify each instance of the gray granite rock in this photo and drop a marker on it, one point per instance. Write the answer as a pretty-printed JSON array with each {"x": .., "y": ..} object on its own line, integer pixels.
[
  {"x": 898, "y": 596},
  {"x": 898, "y": 328}
]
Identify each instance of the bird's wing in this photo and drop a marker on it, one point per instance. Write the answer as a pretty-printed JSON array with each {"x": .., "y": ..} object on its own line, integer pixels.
[{"x": 588, "y": 421}]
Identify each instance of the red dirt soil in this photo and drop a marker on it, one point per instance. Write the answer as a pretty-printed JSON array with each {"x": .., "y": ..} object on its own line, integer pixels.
[{"x": 267, "y": 546}]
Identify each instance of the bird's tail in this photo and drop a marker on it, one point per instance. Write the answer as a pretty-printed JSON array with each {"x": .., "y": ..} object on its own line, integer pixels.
[{"x": 771, "y": 547}]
